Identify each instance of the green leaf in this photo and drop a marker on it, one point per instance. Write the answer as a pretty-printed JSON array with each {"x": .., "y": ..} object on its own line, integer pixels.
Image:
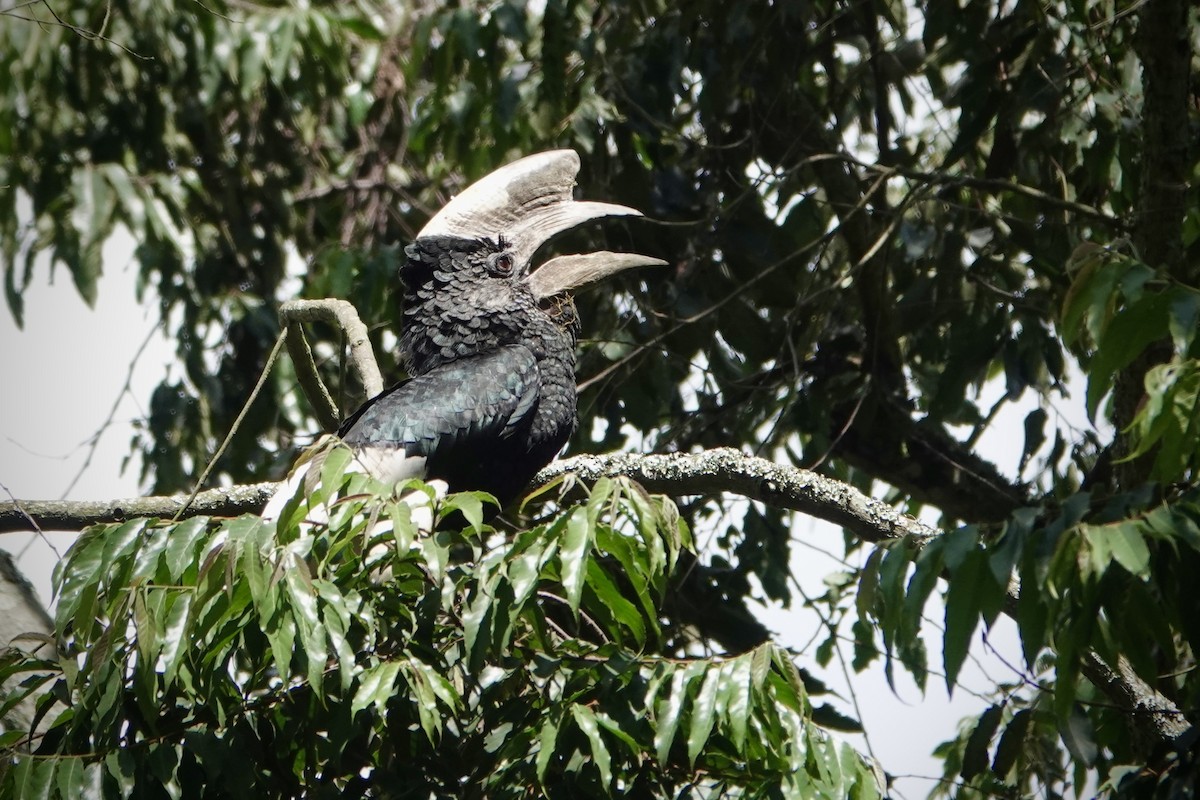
[
  {"x": 363, "y": 27},
  {"x": 1185, "y": 318},
  {"x": 308, "y": 624},
  {"x": 470, "y": 505},
  {"x": 1129, "y": 333},
  {"x": 573, "y": 554},
  {"x": 670, "y": 709},
  {"x": 281, "y": 633},
  {"x": 738, "y": 708},
  {"x": 868, "y": 583},
  {"x": 636, "y": 570},
  {"x": 892, "y": 571},
  {"x": 181, "y": 545},
  {"x": 174, "y": 635},
  {"x": 334, "y": 462},
  {"x": 1090, "y": 292},
  {"x": 427, "y": 686},
  {"x": 547, "y": 741},
  {"x": 93, "y": 195},
  {"x": 75, "y": 579},
  {"x": 1035, "y": 435},
  {"x": 614, "y": 605},
  {"x": 1124, "y": 541},
  {"x": 283, "y": 37},
  {"x": 435, "y": 548},
  {"x": 476, "y": 634},
  {"x": 975, "y": 754},
  {"x": 964, "y": 599},
  {"x": 524, "y": 565},
  {"x": 144, "y": 625},
  {"x": 960, "y": 544},
  {"x": 609, "y": 724},
  {"x": 1079, "y": 737},
  {"x": 1012, "y": 743},
  {"x": 404, "y": 531},
  {"x": 73, "y": 777},
  {"x": 1169, "y": 419},
  {"x": 586, "y": 720},
  {"x": 13, "y": 294},
  {"x": 704, "y": 709},
  {"x": 32, "y": 777}
]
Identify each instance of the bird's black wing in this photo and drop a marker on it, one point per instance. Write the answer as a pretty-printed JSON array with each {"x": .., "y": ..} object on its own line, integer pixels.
[{"x": 472, "y": 402}]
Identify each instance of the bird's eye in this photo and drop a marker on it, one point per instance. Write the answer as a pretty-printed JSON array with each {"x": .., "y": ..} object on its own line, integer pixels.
[{"x": 502, "y": 265}]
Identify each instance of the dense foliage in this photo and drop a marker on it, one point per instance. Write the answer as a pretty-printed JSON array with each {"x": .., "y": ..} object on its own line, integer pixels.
[
  {"x": 371, "y": 658},
  {"x": 871, "y": 209}
]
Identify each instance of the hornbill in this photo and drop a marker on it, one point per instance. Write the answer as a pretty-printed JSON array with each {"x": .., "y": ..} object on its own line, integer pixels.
[{"x": 489, "y": 343}]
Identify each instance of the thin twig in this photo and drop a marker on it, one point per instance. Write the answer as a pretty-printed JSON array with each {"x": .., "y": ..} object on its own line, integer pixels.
[
  {"x": 94, "y": 440},
  {"x": 81, "y": 32},
  {"x": 262, "y": 379},
  {"x": 310, "y": 380},
  {"x": 29, "y": 518}
]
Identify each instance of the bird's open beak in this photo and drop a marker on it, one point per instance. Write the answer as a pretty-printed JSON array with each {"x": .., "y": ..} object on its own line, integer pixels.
[
  {"x": 527, "y": 202},
  {"x": 568, "y": 273}
]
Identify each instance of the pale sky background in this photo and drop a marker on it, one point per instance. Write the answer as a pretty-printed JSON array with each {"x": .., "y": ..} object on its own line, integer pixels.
[{"x": 65, "y": 371}]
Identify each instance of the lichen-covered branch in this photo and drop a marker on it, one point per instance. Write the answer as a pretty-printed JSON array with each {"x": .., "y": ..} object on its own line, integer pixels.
[
  {"x": 727, "y": 470},
  {"x": 1154, "y": 715},
  {"x": 706, "y": 472}
]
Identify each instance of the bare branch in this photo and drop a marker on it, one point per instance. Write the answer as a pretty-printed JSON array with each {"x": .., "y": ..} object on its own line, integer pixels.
[
  {"x": 727, "y": 470},
  {"x": 707, "y": 472},
  {"x": 68, "y": 515},
  {"x": 95, "y": 36},
  {"x": 344, "y": 315},
  {"x": 93, "y": 441},
  {"x": 991, "y": 186}
]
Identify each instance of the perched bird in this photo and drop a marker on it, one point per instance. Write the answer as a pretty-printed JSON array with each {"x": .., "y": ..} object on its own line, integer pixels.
[{"x": 488, "y": 341}]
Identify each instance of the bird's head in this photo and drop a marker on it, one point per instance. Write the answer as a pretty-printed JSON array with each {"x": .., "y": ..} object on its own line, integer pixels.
[{"x": 505, "y": 217}]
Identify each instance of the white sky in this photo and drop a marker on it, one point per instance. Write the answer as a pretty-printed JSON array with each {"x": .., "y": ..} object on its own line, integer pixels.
[
  {"x": 66, "y": 369},
  {"x": 63, "y": 373}
]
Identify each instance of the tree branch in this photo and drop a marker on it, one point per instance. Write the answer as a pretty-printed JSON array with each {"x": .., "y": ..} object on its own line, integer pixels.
[
  {"x": 707, "y": 472},
  {"x": 327, "y": 412},
  {"x": 1153, "y": 714},
  {"x": 362, "y": 357},
  {"x": 1163, "y": 44},
  {"x": 727, "y": 470},
  {"x": 68, "y": 515}
]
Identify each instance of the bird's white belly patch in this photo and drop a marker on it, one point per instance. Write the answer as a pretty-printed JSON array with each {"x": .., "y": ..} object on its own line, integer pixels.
[{"x": 389, "y": 464}]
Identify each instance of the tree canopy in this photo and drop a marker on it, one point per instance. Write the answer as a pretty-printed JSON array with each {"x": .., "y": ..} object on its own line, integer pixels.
[{"x": 870, "y": 210}]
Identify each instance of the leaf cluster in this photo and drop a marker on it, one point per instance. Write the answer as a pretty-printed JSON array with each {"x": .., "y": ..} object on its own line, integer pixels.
[
  {"x": 1107, "y": 580},
  {"x": 218, "y": 657}
]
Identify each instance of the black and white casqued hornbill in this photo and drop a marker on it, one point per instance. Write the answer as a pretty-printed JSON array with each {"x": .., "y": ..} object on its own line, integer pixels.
[{"x": 488, "y": 341}]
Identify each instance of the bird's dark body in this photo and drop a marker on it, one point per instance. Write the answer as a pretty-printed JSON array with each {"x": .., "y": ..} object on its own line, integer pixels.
[{"x": 492, "y": 398}]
